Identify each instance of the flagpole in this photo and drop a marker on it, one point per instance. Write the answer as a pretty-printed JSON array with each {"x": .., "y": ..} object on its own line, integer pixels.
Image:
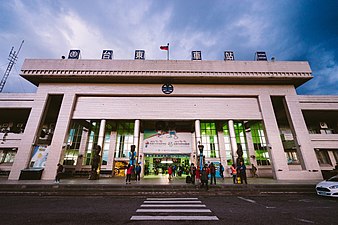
[{"x": 168, "y": 52}]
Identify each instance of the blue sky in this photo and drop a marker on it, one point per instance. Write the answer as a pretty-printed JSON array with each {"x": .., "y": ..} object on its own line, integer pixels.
[{"x": 289, "y": 30}]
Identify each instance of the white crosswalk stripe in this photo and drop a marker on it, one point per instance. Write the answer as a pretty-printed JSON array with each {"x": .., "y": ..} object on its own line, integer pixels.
[
  {"x": 171, "y": 209},
  {"x": 173, "y": 202},
  {"x": 169, "y": 205}
]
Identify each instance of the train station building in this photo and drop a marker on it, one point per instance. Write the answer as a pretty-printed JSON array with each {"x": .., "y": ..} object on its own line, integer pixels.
[{"x": 167, "y": 108}]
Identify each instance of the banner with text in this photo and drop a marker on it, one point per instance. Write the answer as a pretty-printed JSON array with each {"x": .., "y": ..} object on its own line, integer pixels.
[{"x": 167, "y": 142}]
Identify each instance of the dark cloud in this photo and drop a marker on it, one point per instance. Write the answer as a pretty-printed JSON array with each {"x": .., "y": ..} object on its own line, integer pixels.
[{"x": 303, "y": 30}]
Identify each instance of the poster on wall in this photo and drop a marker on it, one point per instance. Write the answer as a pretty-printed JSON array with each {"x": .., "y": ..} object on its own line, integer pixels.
[
  {"x": 167, "y": 142},
  {"x": 39, "y": 157}
]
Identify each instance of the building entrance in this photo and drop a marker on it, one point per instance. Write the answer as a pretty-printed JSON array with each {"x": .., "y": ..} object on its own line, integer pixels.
[{"x": 157, "y": 164}]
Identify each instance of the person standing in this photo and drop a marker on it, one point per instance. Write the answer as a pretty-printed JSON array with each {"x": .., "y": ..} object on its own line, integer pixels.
[
  {"x": 212, "y": 173},
  {"x": 233, "y": 172},
  {"x": 129, "y": 172},
  {"x": 221, "y": 171},
  {"x": 198, "y": 174},
  {"x": 204, "y": 176},
  {"x": 170, "y": 172},
  {"x": 253, "y": 171},
  {"x": 138, "y": 170},
  {"x": 174, "y": 170},
  {"x": 95, "y": 163},
  {"x": 193, "y": 173},
  {"x": 241, "y": 169},
  {"x": 59, "y": 173}
]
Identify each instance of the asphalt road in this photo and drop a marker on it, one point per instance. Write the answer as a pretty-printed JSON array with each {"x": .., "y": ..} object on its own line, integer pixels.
[{"x": 281, "y": 209}]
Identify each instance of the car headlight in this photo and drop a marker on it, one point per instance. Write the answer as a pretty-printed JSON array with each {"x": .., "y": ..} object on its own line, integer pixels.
[{"x": 333, "y": 187}]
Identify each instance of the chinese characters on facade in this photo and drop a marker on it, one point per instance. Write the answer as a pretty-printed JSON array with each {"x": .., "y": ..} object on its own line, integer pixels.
[{"x": 195, "y": 55}]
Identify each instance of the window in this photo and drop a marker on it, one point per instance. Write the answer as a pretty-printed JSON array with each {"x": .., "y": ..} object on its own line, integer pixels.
[
  {"x": 73, "y": 144},
  {"x": 106, "y": 143},
  {"x": 209, "y": 140},
  {"x": 92, "y": 141},
  {"x": 227, "y": 144},
  {"x": 125, "y": 138},
  {"x": 7, "y": 155},
  {"x": 323, "y": 157},
  {"x": 292, "y": 157},
  {"x": 259, "y": 142}
]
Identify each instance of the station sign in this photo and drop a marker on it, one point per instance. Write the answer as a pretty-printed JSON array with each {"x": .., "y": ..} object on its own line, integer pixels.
[
  {"x": 107, "y": 54},
  {"x": 196, "y": 55},
  {"x": 140, "y": 54},
  {"x": 74, "y": 54},
  {"x": 261, "y": 56},
  {"x": 229, "y": 56}
]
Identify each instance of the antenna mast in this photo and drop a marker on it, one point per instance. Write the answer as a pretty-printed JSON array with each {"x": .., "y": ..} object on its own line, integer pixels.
[{"x": 13, "y": 56}]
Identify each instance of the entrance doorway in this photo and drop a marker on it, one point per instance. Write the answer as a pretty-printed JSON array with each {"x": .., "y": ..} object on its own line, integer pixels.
[{"x": 157, "y": 164}]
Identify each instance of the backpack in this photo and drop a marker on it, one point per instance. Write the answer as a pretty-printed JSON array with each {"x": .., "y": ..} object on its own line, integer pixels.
[
  {"x": 188, "y": 179},
  {"x": 204, "y": 175},
  {"x": 212, "y": 169}
]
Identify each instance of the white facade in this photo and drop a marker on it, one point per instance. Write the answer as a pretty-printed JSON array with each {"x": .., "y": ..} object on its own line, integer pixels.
[{"x": 224, "y": 93}]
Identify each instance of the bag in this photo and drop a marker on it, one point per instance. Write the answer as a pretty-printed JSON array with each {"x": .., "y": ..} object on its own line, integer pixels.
[
  {"x": 188, "y": 179},
  {"x": 212, "y": 169}
]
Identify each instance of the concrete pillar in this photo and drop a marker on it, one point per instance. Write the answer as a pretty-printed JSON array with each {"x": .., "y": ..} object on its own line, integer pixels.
[
  {"x": 301, "y": 136},
  {"x": 280, "y": 167},
  {"x": 59, "y": 137},
  {"x": 251, "y": 148},
  {"x": 222, "y": 154},
  {"x": 233, "y": 142},
  {"x": 332, "y": 159},
  {"x": 141, "y": 154},
  {"x": 136, "y": 139},
  {"x": 82, "y": 149},
  {"x": 198, "y": 140},
  {"x": 198, "y": 132},
  {"x": 29, "y": 137},
  {"x": 100, "y": 140},
  {"x": 111, "y": 151}
]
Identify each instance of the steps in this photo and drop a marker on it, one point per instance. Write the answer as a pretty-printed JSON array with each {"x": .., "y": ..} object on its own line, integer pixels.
[{"x": 151, "y": 189}]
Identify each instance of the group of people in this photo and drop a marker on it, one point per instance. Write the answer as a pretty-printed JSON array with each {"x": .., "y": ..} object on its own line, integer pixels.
[
  {"x": 238, "y": 173},
  {"x": 131, "y": 169},
  {"x": 202, "y": 175}
]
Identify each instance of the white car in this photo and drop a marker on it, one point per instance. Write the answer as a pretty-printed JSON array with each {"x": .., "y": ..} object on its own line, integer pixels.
[{"x": 328, "y": 187}]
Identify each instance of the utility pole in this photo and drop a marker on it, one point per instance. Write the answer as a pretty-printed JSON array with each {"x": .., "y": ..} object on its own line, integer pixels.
[{"x": 13, "y": 56}]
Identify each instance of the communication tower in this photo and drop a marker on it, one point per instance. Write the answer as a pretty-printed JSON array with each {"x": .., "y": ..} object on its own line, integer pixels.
[{"x": 13, "y": 56}]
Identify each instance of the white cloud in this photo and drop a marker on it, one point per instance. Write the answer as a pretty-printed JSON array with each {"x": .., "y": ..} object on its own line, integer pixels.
[{"x": 252, "y": 28}]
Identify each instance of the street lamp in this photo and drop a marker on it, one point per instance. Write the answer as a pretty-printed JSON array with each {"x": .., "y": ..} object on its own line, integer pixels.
[{"x": 200, "y": 148}]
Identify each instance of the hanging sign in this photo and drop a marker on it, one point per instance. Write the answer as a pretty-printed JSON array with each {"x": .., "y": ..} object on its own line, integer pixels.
[{"x": 168, "y": 142}]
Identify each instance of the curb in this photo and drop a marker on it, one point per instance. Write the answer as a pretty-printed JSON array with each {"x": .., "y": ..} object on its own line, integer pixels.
[{"x": 151, "y": 190}]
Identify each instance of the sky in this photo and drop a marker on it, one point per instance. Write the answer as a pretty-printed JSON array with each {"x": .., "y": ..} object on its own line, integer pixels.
[{"x": 288, "y": 30}]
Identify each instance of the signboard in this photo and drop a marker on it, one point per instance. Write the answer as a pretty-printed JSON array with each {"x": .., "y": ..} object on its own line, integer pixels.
[
  {"x": 261, "y": 56},
  {"x": 107, "y": 54},
  {"x": 139, "y": 54},
  {"x": 159, "y": 142},
  {"x": 196, "y": 55},
  {"x": 74, "y": 54},
  {"x": 229, "y": 56},
  {"x": 39, "y": 157}
]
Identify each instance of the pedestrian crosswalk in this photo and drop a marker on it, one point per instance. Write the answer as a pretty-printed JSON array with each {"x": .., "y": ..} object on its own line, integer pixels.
[{"x": 171, "y": 209}]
